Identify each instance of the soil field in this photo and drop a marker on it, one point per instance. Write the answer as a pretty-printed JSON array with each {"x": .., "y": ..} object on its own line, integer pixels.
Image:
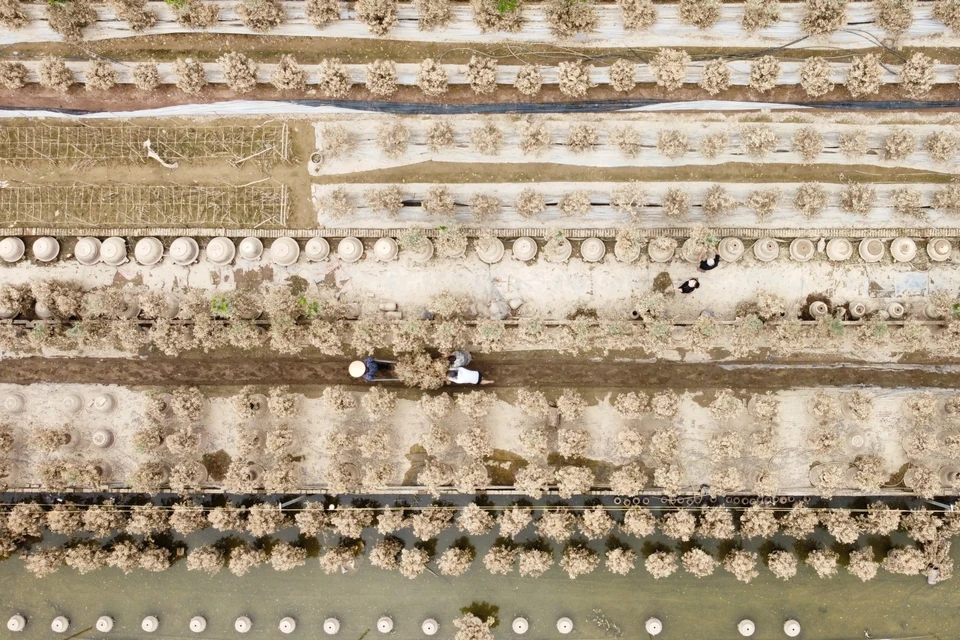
[{"x": 538, "y": 369}]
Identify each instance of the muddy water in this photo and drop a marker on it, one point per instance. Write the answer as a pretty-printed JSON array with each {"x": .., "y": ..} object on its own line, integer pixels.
[{"x": 704, "y": 609}]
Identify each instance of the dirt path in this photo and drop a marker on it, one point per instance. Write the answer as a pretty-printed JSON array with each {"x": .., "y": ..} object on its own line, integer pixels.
[{"x": 530, "y": 369}]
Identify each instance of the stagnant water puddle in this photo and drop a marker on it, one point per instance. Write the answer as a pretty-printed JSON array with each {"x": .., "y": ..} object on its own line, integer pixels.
[{"x": 703, "y": 609}]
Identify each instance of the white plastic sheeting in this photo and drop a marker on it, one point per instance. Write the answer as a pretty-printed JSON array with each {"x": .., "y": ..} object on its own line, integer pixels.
[
  {"x": 367, "y": 156},
  {"x": 603, "y": 216},
  {"x": 506, "y": 74},
  {"x": 862, "y": 32}
]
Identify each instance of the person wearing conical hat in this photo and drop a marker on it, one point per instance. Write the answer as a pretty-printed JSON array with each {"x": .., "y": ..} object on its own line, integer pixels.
[{"x": 368, "y": 368}]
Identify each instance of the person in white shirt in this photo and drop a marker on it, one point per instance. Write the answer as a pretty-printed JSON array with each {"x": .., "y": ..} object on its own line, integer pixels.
[{"x": 461, "y": 375}]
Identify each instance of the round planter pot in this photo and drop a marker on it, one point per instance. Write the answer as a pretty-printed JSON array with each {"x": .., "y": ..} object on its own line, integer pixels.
[
  {"x": 385, "y": 250},
  {"x": 113, "y": 251},
  {"x": 148, "y": 251},
  {"x": 104, "y": 403},
  {"x": 689, "y": 251},
  {"x": 350, "y": 249},
  {"x": 71, "y": 403},
  {"x": 284, "y": 251},
  {"x": 316, "y": 249},
  {"x": 627, "y": 252},
  {"x": 766, "y": 249},
  {"x": 491, "y": 250},
  {"x": 45, "y": 249},
  {"x": 287, "y": 625},
  {"x": 102, "y": 438},
  {"x": 903, "y": 249},
  {"x": 424, "y": 253},
  {"x": 939, "y": 249},
  {"x": 520, "y": 626},
  {"x": 251, "y": 248},
  {"x": 839, "y": 249},
  {"x": 871, "y": 249},
  {"x": 896, "y": 311},
  {"x": 857, "y": 309},
  {"x": 660, "y": 251},
  {"x": 220, "y": 251},
  {"x": 11, "y": 249},
  {"x": 819, "y": 309},
  {"x": 525, "y": 248},
  {"x": 730, "y": 249},
  {"x": 593, "y": 250},
  {"x": 561, "y": 252},
  {"x": 13, "y": 403},
  {"x": 331, "y": 626},
  {"x": 184, "y": 250},
  {"x": 802, "y": 249},
  {"x": 87, "y": 251}
]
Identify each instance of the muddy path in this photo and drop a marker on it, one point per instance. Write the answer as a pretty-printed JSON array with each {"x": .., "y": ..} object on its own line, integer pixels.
[{"x": 528, "y": 369}]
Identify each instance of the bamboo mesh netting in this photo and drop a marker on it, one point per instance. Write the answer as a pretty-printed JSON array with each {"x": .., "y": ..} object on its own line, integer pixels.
[
  {"x": 84, "y": 145},
  {"x": 92, "y": 206}
]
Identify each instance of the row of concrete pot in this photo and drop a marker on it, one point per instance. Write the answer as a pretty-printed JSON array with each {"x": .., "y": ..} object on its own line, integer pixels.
[
  {"x": 286, "y": 251},
  {"x": 901, "y": 249},
  {"x": 15, "y": 402},
  {"x": 331, "y": 626}
]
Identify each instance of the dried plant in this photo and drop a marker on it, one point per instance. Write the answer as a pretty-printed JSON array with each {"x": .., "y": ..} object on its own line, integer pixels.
[
  {"x": 638, "y": 15},
  {"x": 289, "y": 76},
  {"x": 490, "y": 15},
  {"x": 742, "y": 564},
  {"x": 431, "y": 78},
  {"x": 13, "y": 75},
  {"x": 810, "y": 199},
  {"x": 69, "y": 19},
  {"x": 815, "y": 77},
  {"x": 191, "y": 78},
  {"x": 661, "y": 564},
  {"x": 764, "y": 73},
  {"x": 702, "y": 14},
  {"x": 332, "y": 78},
  {"x": 529, "y": 80},
  {"x": 482, "y": 74},
  {"x": 379, "y": 15},
  {"x": 573, "y": 79},
  {"x": 669, "y": 67},
  {"x": 759, "y": 14},
  {"x": 433, "y": 14},
  {"x": 715, "y": 76},
  {"x": 239, "y": 71},
  {"x": 857, "y": 198},
  {"x": 864, "y": 76},
  {"x": 53, "y": 72},
  {"x": 623, "y": 75},
  {"x": 822, "y": 17},
  {"x": 917, "y": 76},
  {"x": 570, "y": 17}
]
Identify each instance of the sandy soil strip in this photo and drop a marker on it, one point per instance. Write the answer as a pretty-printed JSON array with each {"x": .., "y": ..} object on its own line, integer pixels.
[
  {"x": 790, "y": 457},
  {"x": 666, "y": 32}
]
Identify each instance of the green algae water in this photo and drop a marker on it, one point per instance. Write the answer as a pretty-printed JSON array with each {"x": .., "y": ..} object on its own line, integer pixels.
[{"x": 699, "y": 609}]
